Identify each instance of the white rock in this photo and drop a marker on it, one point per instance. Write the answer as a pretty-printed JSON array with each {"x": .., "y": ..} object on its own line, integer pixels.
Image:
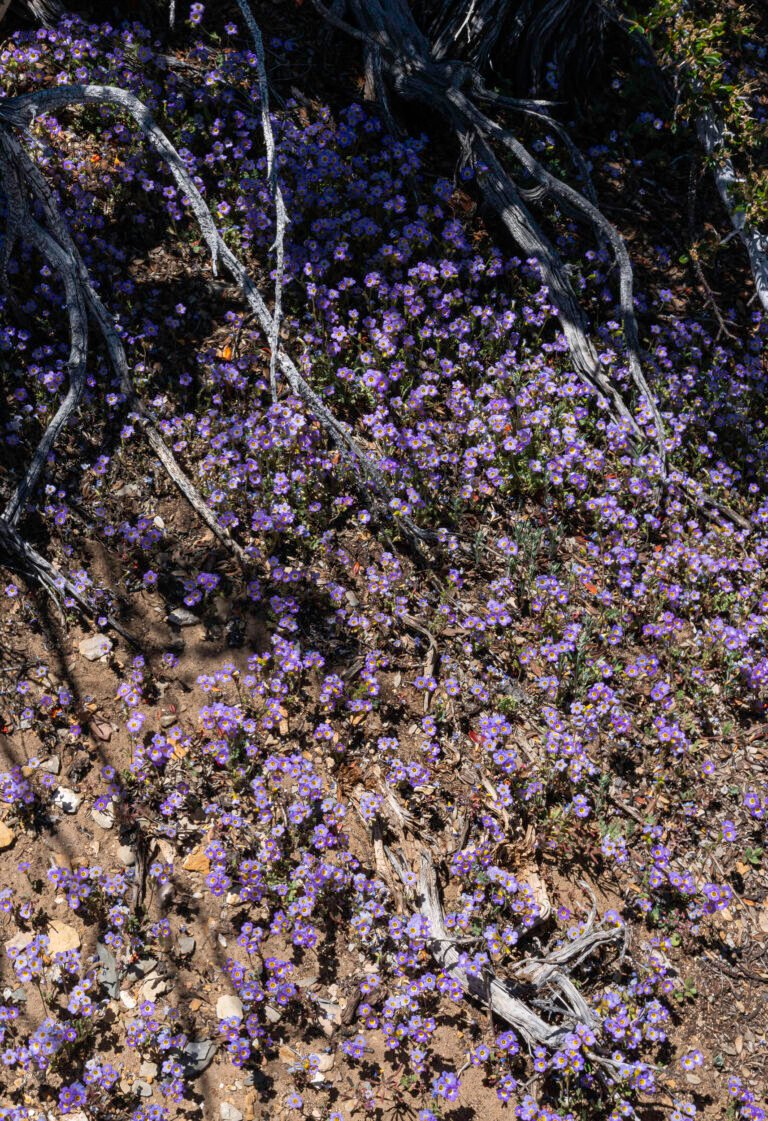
[
  {"x": 51, "y": 766},
  {"x": 186, "y": 946},
  {"x": 105, "y": 819},
  {"x": 128, "y": 999},
  {"x": 19, "y": 941},
  {"x": 62, "y": 937},
  {"x": 67, "y": 800},
  {"x": 229, "y": 1006},
  {"x": 230, "y": 1112},
  {"x": 181, "y": 617},
  {"x": 95, "y": 646},
  {"x": 153, "y": 988},
  {"x": 126, "y": 856}
]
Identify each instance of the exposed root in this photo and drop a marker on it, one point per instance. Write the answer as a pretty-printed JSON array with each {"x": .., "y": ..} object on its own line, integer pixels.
[
  {"x": 369, "y": 480},
  {"x": 409, "y": 63},
  {"x": 712, "y": 136},
  {"x": 421, "y": 72},
  {"x": 21, "y": 178},
  {"x": 544, "y": 973},
  {"x": 21, "y": 175},
  {"x": 281, "y": 217},
  {"x": 19, "y": 554},
  {"x": 57, "y": 256}
]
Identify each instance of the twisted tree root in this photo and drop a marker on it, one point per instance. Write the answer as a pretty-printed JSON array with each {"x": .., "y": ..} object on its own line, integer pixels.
[
  {"x": 366, "y": 476},
  {"x": 19, "y": 554},
  {"x": 493, "y": 992},
  {"x": 712, "y": 136},
  {"x": 55, "y": 244},
  {"x": 281, "y": 217},
  {"x": 408, "y": 61},
  {"x": 20, "y": 176}
]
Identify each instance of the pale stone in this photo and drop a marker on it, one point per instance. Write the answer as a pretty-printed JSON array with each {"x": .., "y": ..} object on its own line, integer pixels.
[
  {"x": 229, "y": 1007},
  {"x": 197, "y": 861},
  {"x": 105, "y": 819},
  {"x": 19, "y": 941},
  {"x": 7, "y": 836},
  {"x": 62, "y": 937},
  {"x": 153, "y": 988},
  {"x": 126, "y": 856},
  {"x": 51, "y": 766},
  {"x": 230, "y": 1112},
  {"x": 128, "y": 999},
  {"x": 95, "y": 646},
  {"x": 67, "y": 800},
  {"x": 181, "y": 617}
]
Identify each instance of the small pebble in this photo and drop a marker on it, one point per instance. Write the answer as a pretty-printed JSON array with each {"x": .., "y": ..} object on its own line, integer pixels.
[
  {"x": 67, "y": 800},
  {"x": 105, "y": 819},
  {"x": 181, "y": 617},
  {"x": 229, "y": 1006},
  {"x": 95, "y": 646}
]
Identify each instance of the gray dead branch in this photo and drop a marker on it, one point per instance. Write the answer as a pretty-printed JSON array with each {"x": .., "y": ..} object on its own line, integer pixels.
[
  {"x": 547, "y": 974},
  {"x": 22, "y": 181},
  {"x": 712, "y": 136},
  {"x": 451, "y": 87}
]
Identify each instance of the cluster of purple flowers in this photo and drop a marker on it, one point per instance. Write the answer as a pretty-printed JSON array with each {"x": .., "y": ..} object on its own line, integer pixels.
[{"x": 618, "y": 619}]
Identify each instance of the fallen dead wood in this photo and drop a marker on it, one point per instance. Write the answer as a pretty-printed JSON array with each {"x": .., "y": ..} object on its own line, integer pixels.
[
  {"x": 281, "y": 217},
  {"x": 21, "y": 178},
  {"x": 490, "y": 990},
  {"x": 712, "y": 136},
  {"x": 445, "y": 86},
  {"x": 368, "y": 479}
]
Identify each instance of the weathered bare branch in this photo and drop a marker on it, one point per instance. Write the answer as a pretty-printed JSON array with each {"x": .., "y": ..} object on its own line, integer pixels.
[
  {"x": 415, "y": 74},
  {"x": 711, "y": 133},
  {"x": 20, "y": 111},
  {"x": 281, "y": 217},
  {"x": 490, "y": 990}
]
